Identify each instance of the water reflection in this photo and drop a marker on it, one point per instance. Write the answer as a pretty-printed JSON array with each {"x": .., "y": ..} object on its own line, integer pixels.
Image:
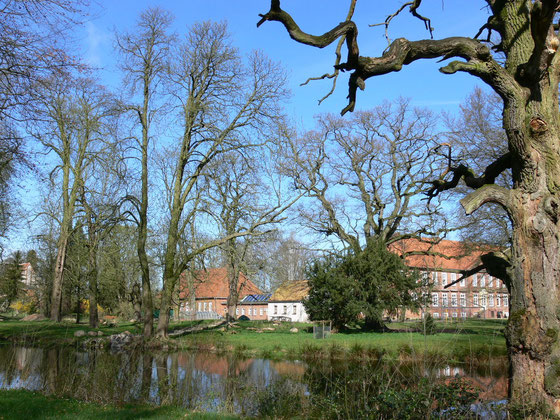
[{"x": 205, "y": 381}]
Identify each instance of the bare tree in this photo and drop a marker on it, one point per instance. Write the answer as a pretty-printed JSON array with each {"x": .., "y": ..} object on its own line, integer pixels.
[
  {"x": 224, "y": 105},
  {"x": 517, "y": 59},
  {"x": 476, "y": 136},
  {"x": 68, "y": 121},
  {"x": 144, "y": 53},
  {"x": 366, "y": 175}
]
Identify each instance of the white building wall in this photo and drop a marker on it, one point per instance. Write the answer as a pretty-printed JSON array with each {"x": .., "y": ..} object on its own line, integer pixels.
[{"x": 293, "y": 310}]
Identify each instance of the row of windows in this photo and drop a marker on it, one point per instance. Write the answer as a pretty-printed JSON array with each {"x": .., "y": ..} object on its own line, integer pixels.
[
  {"x": 464, "y": 315},
  {"x": 251, "y": 311},
  {"x": 482, "y": 300},
  {"x": 476, "y": 280},
  {"x": 285, "y": 310}
]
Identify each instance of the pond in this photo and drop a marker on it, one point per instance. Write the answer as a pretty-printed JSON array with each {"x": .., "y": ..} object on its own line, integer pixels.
[{"x": 252, "y": 387}]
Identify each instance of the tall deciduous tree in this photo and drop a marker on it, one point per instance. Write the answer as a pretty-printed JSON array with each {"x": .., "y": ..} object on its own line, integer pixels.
[
  {"x": 519, "y": 61},
  {"x": 365, "y": 175},
  {"x": 68, "y": 121},
  {"x": 144, "y": 53},
  {"x": 225, "y": 105}
]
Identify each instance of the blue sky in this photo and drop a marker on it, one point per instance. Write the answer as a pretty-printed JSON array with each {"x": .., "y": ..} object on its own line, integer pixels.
[{"x": 420, "y": 81}]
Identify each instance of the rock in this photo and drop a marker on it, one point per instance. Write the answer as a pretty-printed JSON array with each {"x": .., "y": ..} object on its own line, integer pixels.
[
  {"x": 294, "y": 330},
  {"x": 34, "y": 317},
  {"x": 92, "y": 333},
  {"x": 118, "y": 341},
  {"x": 79, "y": 333},
  {"x": 99, "y": 333},
  {"x": 269, "y": 329}
]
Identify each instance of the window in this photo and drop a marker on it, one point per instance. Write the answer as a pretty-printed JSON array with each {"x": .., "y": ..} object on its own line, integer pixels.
[
  {"x": 294, "y": 310},
  {"x": 483, "y": 301},
  {"x": 436, "y": 314},
  {"x": 498, "y": 302},
  {"x": 210, "y": 306},
  {"x": 463, "y": 282},
  {"x": 285, "y": 310},
  {"x": 275, "y": 309},
  {"x": 505, "y": 300},
  {"x": 435, "y": 299},
  {"x": 453, "y": 277},
  {"x": 242, "y": 311},
  {"x": 454, "y": 314},
  {"x": 443, "y": 279},
  {"x": 205, "y": 306},
  {"x": 453, "y": 299},
  {"x": 482, "y": 280},
  {"x": 425, "y": 278},
  {"x": 475, "y": 299},
  {"x": 444, "y": 301},
  {"x": 464, "y": 315},
  {"x": 261, "y": 311},
  {"x": 434, "y": 278},
  {"x": 490, "y": 281},
  {"x": 236, "y": 311},
  {"x": 490, "y": 300},
  {"x": 462, "y": 299},
  {"x": 475, "y": 280},
  {"x": 199, "y": 307}
]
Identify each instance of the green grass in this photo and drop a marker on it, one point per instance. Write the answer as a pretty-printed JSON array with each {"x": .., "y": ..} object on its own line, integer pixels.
[
  {"x": 471, "y": 340},
  {"x": 21, "y": 404},
  {"x": 459, "y": 341}
]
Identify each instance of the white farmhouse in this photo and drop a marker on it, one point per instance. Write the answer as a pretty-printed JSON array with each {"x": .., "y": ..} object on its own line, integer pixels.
[{"x": 286, "y": 302}]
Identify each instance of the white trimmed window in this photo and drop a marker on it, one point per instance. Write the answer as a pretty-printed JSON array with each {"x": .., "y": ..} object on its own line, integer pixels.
[
  {"x": 490, "y": 281},
  {"x": 443, "y": 279},
  {"x": 275, "y": 309},
  {"x": 436, "y": 314},
  {"x": 483, "y": 301},
  {"x": 435, "y": 299},
  {"x": 242, "y": 311},
  {"x": 285, "y": 310},
  {"x": 453, "y": 277},
  {"x": 464, "y": 315},
  {"x": 505, "y": 300},
  {"x": 294, "y": 310},
  {"x": 498, "y": 300},
  {"x": 462, "y": 283},
  {"x": 475, "y": 280},
  {"x": 199, "y": 307},
  {"x": 462, "y": 299},
  {"x": 454, "y": 314},
  {"x": 454, "y": 299},
  {"x": 490, "y": 300},
  {"x": 482, "y": 280},
  {"x": 236, "y": 311},
  {"x": 261, "y": 311},
  {"x": 444, "y": 300},
  {"x": 475, "y": 299},
  {"x": 210, "y": 306},
  {"x": 435, "y": 278}
]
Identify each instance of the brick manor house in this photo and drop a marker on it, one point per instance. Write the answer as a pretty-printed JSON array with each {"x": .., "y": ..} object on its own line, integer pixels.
[{"x": 479, "y": 295}]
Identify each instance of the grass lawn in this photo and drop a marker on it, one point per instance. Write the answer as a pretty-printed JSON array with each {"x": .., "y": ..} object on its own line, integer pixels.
[
  {"x": 472, "y": 339},
  {"x": 457, "y": 341},
  {"x": 21, "y": 404}
]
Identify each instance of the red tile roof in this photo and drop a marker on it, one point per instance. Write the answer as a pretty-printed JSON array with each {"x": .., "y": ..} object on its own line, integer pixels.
[
  {"x": 443, "y": 255},
  {"x": 213, "y": 283}
]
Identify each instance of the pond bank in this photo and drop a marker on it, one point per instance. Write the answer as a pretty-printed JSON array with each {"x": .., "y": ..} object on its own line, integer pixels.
[
  {"x": 470, "y": 341},
  {"x": 20, "y": 404}
]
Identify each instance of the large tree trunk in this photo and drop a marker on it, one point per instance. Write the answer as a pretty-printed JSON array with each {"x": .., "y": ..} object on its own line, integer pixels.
[{"x": 56, "y": 297}]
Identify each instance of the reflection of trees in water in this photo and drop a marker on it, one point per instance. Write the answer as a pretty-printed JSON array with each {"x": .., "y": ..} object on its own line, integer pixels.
[{"x": 209, "y": 382}]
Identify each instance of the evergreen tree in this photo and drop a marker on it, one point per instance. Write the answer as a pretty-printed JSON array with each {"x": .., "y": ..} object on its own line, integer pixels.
[{"x": 368, "y": 285}]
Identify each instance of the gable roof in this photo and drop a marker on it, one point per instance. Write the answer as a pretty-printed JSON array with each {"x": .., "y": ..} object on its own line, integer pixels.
[
  {"x": 293, "y": 291},
  {"x": 213, "y": 283},
  {"x": 443, "y": 255}
]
